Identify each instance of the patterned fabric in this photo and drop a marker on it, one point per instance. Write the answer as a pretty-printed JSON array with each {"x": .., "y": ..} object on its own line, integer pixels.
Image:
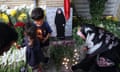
[
  {"x": 97, "y": 39},
  {"x": 104, "y": 62}
]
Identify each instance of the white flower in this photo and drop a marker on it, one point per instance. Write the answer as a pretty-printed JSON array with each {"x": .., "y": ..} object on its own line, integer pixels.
[
  {"x": 3, "y": 8},
  {"x": 4, "y": 58},
  {"x": 11, "y": 59},
  {"x": 1, "y": 60},
  {"x": 32, "y": 6},
  {"x": 16, "y": 7},
  {"x": 101, "y": 25},
  {"x": 22, "y": 7},
  {"x": 17, "y": 54},
  {"x": 30, "y": 11},
  {"x": 23, "y": 52},
  {"x": 8, "y": 11}
]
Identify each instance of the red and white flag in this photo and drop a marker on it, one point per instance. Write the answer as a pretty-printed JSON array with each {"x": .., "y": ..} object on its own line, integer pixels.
[{"x": 67, "y": 9}]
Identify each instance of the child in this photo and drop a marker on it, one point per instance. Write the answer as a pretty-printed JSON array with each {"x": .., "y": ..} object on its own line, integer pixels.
[
  {"x": 103, "y": 52},
  {"x": 34, "y": 54},
  {"x": 43, "y": 28}
]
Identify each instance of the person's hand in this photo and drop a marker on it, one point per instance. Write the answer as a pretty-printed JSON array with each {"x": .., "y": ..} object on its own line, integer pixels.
[
  {"x": 30, "y": 41},
  {"x": 78, "y": 29},
  {"x": 39, "y": 34},
  {"x": 79, "y": 33},
  {"x": 85, "y": 48},
  {"x": 44, "y": 40},
  {"x": 17, "y": 46},
  {"x": 40, "y": 37}
]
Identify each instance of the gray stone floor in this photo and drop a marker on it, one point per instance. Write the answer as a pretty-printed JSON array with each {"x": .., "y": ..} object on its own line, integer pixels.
[{"x": 51, "y": 68}]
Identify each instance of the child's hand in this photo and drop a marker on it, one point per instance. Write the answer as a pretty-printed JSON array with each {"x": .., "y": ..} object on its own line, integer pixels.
[
  {"x": 40, "y": 37},
  {"x": 30, "y": 41},
  {"x": 44, "y": 40},
  {"x": 17, "y": 46}
]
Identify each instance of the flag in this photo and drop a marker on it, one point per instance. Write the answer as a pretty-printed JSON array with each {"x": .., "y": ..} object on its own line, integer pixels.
[{"x": 67, "y": 9}]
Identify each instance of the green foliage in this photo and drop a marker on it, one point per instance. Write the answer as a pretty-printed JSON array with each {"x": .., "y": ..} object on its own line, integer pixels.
[
  {"x": 14, "y": 67},
  {"x": 112, "y": 26},
  {"x": 78, "y": 40},
  {"x": 59, "y": 52},
  {"x": 20, "y": 34},
  {"x": 97, "y": 7},
  {"x": 76, "y": 21}
]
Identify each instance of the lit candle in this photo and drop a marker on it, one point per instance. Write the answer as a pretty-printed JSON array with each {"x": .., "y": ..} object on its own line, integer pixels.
[
  {"x": 76, "y": 62},
  {"x": 68, "y": 60},
  {"x": 63, "y": 63},
  {"x": 76, "y": 54},
  {"x": 66, "y": 67},
  {"x": 65, "y": 59},
  {"x": 73, "y": 60},
  {"x": 75, "y": 50},
  {"x": 66, "y": 63}
]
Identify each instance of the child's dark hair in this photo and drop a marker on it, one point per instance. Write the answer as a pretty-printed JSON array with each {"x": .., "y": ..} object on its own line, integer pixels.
[
  {"x": 37, "y": 14},
  {"x": 30, "y": 30}
]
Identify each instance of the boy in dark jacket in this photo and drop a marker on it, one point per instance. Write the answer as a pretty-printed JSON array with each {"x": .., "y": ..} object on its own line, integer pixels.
[{"x": 43, "y": 29}]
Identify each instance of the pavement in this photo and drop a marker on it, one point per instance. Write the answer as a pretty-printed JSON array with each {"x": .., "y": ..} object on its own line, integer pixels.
[{"x": 52, "y": 68}]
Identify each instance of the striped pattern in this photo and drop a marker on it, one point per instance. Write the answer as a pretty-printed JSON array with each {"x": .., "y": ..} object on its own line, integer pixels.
[
  {"x": 118, "y": 13},
  {"x": 13, "y": 3},
  {"x": 110, "y": 7},
  {"x": 55, "y": 3},
  {"x": 82, "y": 8},
  {"x": 49, "y": 3}
]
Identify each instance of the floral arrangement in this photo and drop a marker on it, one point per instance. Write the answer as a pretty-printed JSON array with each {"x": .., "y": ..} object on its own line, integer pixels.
[
  {"x": 12, "y": 60},
  {"x": 16, "y": 17}
]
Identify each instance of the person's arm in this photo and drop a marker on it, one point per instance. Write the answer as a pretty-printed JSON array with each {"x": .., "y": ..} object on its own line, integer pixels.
[
  {"x": 47, "y": 37},
  {"x": 49, "y": 32},
  {"x": 16, "y": 45}
]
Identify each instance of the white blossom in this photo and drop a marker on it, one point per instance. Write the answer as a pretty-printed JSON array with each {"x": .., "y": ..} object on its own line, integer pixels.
[
  {"x": 16, "y": 7},
  {"x": 3, "y": 8}
]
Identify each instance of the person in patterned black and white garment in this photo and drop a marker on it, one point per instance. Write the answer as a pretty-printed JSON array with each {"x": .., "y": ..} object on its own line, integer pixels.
[{"x": 103, "y": 52}]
